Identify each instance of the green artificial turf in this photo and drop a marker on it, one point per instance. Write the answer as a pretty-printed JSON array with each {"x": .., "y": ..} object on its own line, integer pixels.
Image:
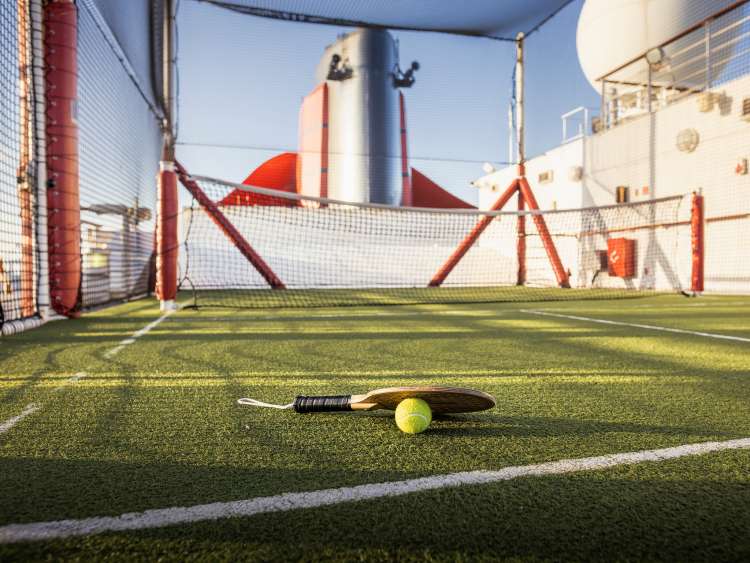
[{"x": 157, "y": 426}]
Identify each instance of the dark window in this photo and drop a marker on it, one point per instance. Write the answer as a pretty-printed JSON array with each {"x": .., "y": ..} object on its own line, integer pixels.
[{"x": 623, "y": 194}]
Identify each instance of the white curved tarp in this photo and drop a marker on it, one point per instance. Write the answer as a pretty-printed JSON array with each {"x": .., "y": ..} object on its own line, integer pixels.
[{"x": 495, "y": 18}]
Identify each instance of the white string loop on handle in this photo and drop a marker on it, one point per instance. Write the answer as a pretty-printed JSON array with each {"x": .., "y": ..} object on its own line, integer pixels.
[{"x": 255, "y": 403}]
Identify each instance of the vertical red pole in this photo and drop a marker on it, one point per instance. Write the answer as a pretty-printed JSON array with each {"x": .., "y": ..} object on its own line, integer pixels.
[
  {"x": 541, "y": 227},
  {"x": 24, "y": 183},
  {"x": 167, "y": 244},
  {"x": 406, "y": 195},
  {"x": 521, "y": 242},
  {"x": 697, "y": 243},
  {"x": 63, "y": 203}
]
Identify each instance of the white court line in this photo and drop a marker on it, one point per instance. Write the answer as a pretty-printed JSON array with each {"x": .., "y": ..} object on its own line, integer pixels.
[
  {"x": 35, "y": 531},
  {"x": 636, "y": 325},
  {"x": 75, "y": 379},
  {"x": 113, "y": 351},
  {"x": 30, "y": 409},
  {"x": 137, "y": 334}
]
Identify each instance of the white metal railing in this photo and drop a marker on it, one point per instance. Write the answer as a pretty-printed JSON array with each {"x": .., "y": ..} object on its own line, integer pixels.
[
  {"x": 576, "y": 124},
  {"x": 710, "y": 53}
]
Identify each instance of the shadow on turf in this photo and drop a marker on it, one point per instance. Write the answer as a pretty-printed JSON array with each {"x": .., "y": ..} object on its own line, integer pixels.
[
  {"x": 16, "y": 392},
  {"x": 569, "y": 517},
  {"x": 530, "y": 426},
  {"x": 575, "y": 346},
  {"x": 644, "y": 513},
  {"x": 35, "y": 489}
]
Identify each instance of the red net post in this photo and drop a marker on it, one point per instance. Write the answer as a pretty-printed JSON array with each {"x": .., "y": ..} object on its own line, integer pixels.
[
  {"x": 167, "y": 243},
  {"x": 63, "y": 202},
  {"x": 697, "y": 243},
  {"x": 472, "y": 237}
]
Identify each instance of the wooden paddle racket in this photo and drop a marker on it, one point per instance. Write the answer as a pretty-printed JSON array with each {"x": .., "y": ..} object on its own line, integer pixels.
[{"x": 440, "y": 399}]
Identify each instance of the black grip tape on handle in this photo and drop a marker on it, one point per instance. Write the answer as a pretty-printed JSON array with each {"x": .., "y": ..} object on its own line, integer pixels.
[{"x": 329, "y": 403}]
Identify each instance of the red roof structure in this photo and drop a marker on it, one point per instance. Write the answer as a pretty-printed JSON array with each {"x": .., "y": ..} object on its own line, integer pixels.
[{"x": 277, "y": 173}]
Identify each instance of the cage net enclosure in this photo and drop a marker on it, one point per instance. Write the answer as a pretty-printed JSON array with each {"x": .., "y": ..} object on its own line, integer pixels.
[
  {"x": 333, "y": 165},
  {"x": 336, "y": 152}
]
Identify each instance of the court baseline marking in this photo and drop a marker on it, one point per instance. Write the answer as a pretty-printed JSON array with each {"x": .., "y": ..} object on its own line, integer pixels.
[
  {"x": 137, "y": 334},
  {"x": 31, "y": 408},
  {"x": 637, "y": 325},
  {"x": 38, "y": 531}
]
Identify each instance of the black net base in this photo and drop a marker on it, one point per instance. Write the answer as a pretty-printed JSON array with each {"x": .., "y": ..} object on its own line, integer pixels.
[{"x": 271, "y": 299}]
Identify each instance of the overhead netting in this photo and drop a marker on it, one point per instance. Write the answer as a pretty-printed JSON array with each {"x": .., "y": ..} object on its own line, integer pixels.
[
  {"x": 478, "y": 18},
  {"x": 327, "y": 252},
  {"x": 19, "y": 258}
]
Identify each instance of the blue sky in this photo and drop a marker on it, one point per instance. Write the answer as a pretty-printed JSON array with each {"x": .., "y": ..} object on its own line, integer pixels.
[{"x": 242, "y": 80}]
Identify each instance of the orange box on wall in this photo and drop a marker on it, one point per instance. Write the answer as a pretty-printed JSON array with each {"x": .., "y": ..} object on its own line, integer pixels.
[{"x": 621, "y": 257}]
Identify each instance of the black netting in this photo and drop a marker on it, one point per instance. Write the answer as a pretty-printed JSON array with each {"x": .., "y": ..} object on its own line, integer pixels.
[
  {"x": 137, "y": 27},
  {"x": 119, "y": 153},
  {"x": 332, "y": 253},
  {"x": 19, "y": 261},
  {"x": 293, "y": 108}
]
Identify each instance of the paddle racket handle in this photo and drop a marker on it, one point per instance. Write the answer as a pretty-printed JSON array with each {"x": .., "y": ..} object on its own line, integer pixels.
[{"x": 329, "y": 403}]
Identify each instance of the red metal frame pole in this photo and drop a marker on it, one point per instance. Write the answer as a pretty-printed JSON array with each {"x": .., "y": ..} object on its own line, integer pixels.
[
  {"x": 541, "y": 227},
  {"x": 472, "y": 237},
  {"x": 167, "y": 243},
  {"x": 525, "y": 199},
  {"x": 24, "y": 183},
  {"x": 697, "y": 242},
  {"x": 228, "y": 229},
  {"x": 521, "y": 150},
  {"x": 63, "y": 202},
  {"x": 521, "y": 242}
]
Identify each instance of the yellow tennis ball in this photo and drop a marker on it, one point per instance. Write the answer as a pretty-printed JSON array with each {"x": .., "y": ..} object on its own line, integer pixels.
[{"x": 413, "y": 416}]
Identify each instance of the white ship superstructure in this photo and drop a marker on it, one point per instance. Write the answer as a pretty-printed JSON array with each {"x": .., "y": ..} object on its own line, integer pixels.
[{"x": 674, "y": 119}]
